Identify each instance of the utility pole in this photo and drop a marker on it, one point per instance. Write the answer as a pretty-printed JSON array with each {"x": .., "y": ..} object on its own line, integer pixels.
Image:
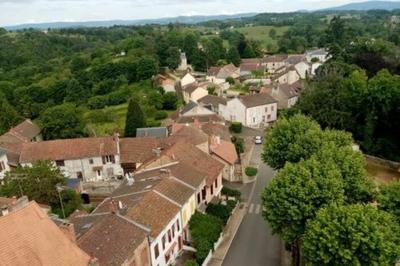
[{"x": 59, "y": 190}]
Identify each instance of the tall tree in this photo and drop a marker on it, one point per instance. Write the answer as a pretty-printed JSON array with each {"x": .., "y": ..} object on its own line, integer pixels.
[
  {"x": 295, "y": 195},
  {"x": 9, "y": 116},
  {"x": 134, "y": 119},
  {"x": 352, "y": 235},
  {"x": 37, "y": 182},
  {"x": 62, "y": 122},
  {"x": 233, "y": 56}
]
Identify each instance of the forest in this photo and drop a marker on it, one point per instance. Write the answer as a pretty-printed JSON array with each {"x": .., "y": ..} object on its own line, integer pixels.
[{"x": 76, "y": 81}]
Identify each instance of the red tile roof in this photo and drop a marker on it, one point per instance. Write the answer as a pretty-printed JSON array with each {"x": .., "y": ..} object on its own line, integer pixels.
[
  {"x": 69, "y": 149},
  {"x": 175, "y": 190},
  {"x": 112, "y": 240},
  {"x": 257, "y": 100},
  {"x": 29, "y": 237},
  {"x": 153, "y": 211},
  {"x": 199, "y": 160},
  {"x": 137, "y": 150},
  {"x": 190, "y": 134},
  {"x": 26, "y": 129},
  {"x": 225, "y": 150}
]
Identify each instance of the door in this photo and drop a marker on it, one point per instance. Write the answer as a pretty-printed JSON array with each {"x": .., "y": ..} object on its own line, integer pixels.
[{"x": 98, "y": 174}]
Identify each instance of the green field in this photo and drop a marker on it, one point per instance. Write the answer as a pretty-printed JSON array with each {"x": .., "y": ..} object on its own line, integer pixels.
[{"x": 261, "y": 33}]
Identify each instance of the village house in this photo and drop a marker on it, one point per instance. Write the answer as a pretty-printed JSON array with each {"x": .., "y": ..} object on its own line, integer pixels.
[
  {"x": 288, "y": 75},
  {"x": 194, "y": 91},
  {"x": 225, "y": 152},
  {"x": 250, "y": 66},
  {"x": 252, "y": 111},
  {"x": 303, "y": 69},
  {"x": 30, "y": 237},
  {"x": 4, "y": 166},
  {"x": 12, "y": 141},
  {"x": 274, "y": 62},
  {"x": 319, "y": 55},
  {"x": 212, "y": 102},
  {"x": 287, "y": 95},
  {"x": 195, "y": 112},
  {"x": 187, "y": 80},
  {"x": 191, "y": 134},
  {"x": 167, "y": 84},
  {"x": 218, "y": 75},
  {"x": 88, "y": 159}
]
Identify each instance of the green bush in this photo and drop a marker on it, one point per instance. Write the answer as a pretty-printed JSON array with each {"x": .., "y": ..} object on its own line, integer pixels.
[
  {"x": 220, "y": 211},
  {"x": 153, "y": 123},
  {"x": 160, "y": 115},
  {"x": 236, "y": 127},
  {"x": 251, "y": 171},
  {"x": 231, "y": 192},
  {"x": 239, "y": 144},
  {"x": 97, "y": 102},
  {"x": 191, "y": 263},
  {"x": 205, "y": 230},
  {"x": 71, "y": 201},
  {"x": 118, "y": 97},
  {"x": 231, "y": 204},
  {"x": 230, "y": 80},
  {"x": 101, "y": 116}
]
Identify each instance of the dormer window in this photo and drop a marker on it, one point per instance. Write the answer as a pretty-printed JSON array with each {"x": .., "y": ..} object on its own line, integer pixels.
[{"x": 108, "y": 159}]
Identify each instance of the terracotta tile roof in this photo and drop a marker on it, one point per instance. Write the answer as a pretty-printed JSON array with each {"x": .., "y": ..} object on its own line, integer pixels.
[
  {"x": 137, "y": 150},
  {"x": 186, "y": 173},
  {"x": 213, "y": 100},
  {"x": 29, "y": 237},
  {"x": 217, "y": 130},
  {"x": 296, "y": 58},
  {"x": 175, "y": 190},
  {"x": 191, "y": 87},
  {"x": 154, "y": 212},
  {"x": 252, "y": 61},
  {"x": 69, "y": 149},
  {"x": 251, "y": 67},
  {"x": 200, "y": 118},
  {"x": 26, "y": 129},
  {"x": 256, "y": 100},
  {"x": 225, "y": 150},
  {"x": 190, "y": 134},
  {"x": 112, "y": 240},
  {"x": 213, "y": 71},
  {"x": 199, "y": 160},
  {"x": 12, "y": 143},
  {"x": 275, "y": 58},
  {"x": 287, "y": 90}
]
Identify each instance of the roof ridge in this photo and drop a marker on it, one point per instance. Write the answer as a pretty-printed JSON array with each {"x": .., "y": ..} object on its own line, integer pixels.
[
  {"x": 165, "y": 197},
  {"x": 183, "y": 183},
  {"x": 141, "y": 226}
]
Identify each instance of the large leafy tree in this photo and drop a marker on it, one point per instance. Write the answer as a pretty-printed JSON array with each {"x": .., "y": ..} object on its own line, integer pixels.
[
  {"x": 62, "y": 122},
  {"x": 233, "y": 56},
  {"x": 9, "y": 116},
  {"x": 37, "y": 182},
  {"x": 352, "y": 235},
  {"x": 389, "y": 198},
  {"x": 295, "y": 195},
  {"x": 134, "y": 119}
]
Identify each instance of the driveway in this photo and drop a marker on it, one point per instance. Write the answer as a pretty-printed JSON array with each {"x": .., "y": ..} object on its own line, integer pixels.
[{"x": 254, "y": 243}]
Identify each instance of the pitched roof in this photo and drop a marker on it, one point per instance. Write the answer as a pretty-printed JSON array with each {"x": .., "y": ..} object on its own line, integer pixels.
[
  {"x": 296, "y": 58},
  {"x": 156, "y": 132},
  {"x": 11, "y": 142},
  {"x": 26, "y": 129},
  {"x": 200, "y": 118},
  {"x": 256, "y": 100},
  {"x": 112, "y": 239},
  {"x": 213, "y": 100},
  {"x": 246, "y": 61},
  {"x": 217, "y": 130},
  {"x": 69, "y": 149},
  {"x": 29, "y": 237},
  {"x": 213, "y": 71},
  {"x": 199, "y": 160},
  {"x": 188, "y": 174},
  {"x": 153, "y": 211},
  {"x": 137, "y": 150},
  {"x": 275, "y": 58},
  {"x": 175, "y": 190},
  {"x": 191, "y": 87},
  {"x": 287, "y": 90},
  {"x": 225, "y": 150},
  {"x": 251, "y": 67},
  {"x": 189, "y": 134}
]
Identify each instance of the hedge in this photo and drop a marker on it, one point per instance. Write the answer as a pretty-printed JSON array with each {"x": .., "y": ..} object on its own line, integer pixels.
[
  {"x": 251, "y": 171},
  {"x": 205, "y": 230},
  {"x": 236, "y": 127},
  {"x": 231, "y": 192}
]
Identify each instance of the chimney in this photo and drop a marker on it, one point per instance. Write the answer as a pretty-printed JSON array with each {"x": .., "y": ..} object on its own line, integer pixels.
[
  {"x": 68, "y": 230},
  {"x": 113, "y": 206},
  {"x": 18, "y": 204},
  {"x": 116, "y": 139}
]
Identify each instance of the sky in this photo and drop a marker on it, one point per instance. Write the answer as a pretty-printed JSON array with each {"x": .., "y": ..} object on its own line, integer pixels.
[{"x": 13, "y": 12}]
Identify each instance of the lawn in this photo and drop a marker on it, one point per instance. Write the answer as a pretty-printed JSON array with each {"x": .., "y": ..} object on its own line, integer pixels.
[{"x": 261, "y": 33}]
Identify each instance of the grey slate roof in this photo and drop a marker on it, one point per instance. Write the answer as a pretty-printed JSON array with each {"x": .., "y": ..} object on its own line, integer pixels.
[{"x": 156, "y": 132}]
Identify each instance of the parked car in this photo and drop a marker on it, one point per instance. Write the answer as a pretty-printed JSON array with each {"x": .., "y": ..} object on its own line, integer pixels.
[{"x": 258, "y": 140}]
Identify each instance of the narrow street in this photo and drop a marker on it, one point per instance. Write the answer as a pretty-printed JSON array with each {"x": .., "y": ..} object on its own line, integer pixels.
[{"x": 254, "y": 243}]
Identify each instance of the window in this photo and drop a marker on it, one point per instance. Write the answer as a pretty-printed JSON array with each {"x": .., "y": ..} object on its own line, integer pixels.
[
  {"x": 60, "y": 163},
  {"x": 266, "y": 109},
  {"x": 212, "y": 190},
  {"x": 156, "y": 251},
  {"x": 163, "y": 241},
  {"x": 79, "y": 175},
  {"x": 272, "y": 108},
  {"x": 108, "y": 159},
  {"x": 216, "y": 183},
  {"x": 177, "y": 226},
  {"x": 254, "y": 119},
  {"x": 198, "y": 198},
  {"x": 269, "y": 117},
  {"x": 90, "y": 161},
  {"x": 173, "y": 231},
  {"x": 169, "y": 236},
  {"x": 263, "y": 118},
  {"x": 2, "y": 166}
]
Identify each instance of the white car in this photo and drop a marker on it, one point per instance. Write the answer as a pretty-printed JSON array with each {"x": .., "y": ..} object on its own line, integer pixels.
[{"x": 258, "y": 140}]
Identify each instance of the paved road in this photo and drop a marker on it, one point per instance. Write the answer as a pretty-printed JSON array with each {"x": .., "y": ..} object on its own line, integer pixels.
[{"x": 254, "y": 243}]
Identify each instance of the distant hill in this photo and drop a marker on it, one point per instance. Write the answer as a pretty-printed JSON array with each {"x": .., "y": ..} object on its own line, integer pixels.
[
  {"x": 110, "y": 23},
  {"x": 365, "y": 6}
]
